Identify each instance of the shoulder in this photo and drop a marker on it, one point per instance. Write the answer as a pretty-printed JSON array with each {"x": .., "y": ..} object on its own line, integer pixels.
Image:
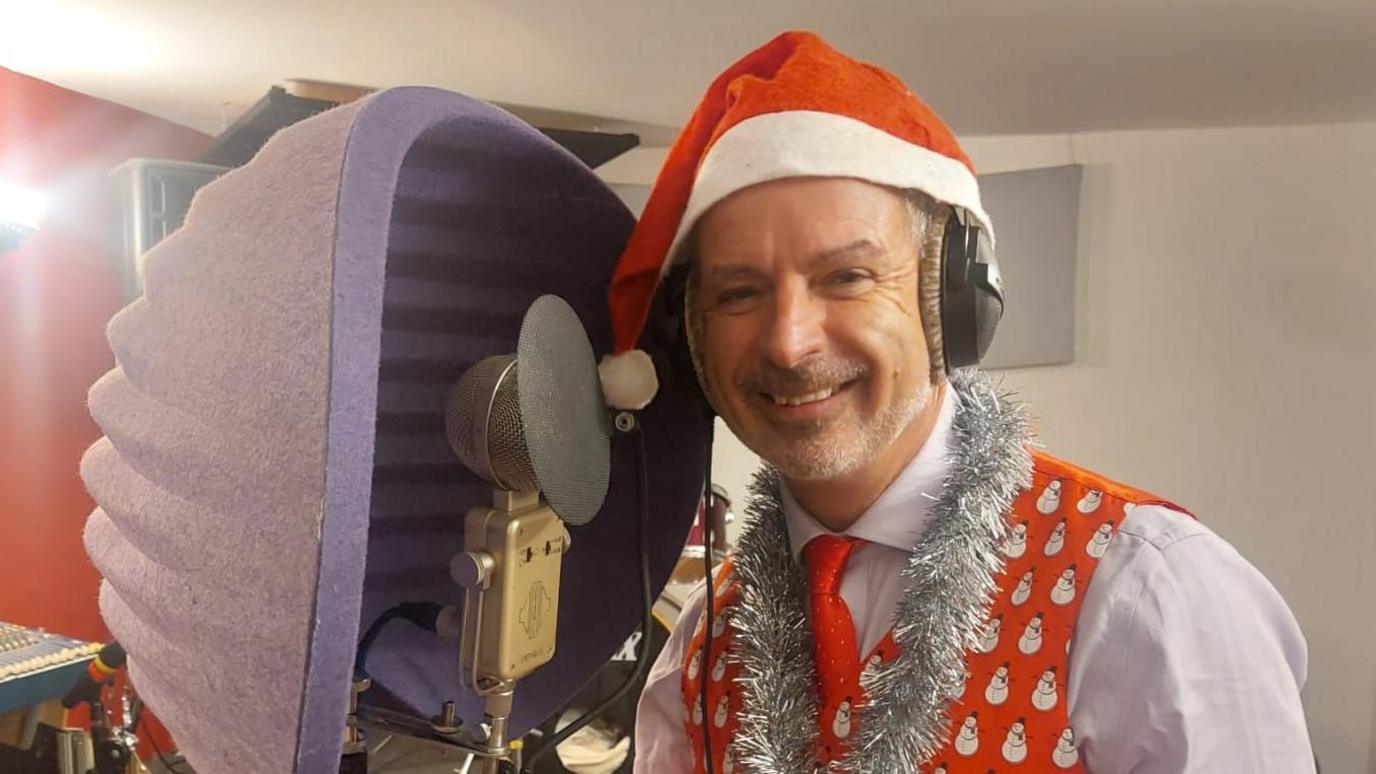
[
  {"x": 1184, "y": 650},
  {"x": 1162, "y": 529},
  {"x": 1158, "y": 553},
  {"x": 1167, "y": 581},
  {"x": 1065, "y": 474}
]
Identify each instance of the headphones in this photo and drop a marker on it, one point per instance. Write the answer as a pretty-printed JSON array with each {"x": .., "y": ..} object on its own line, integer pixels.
[
  {"x": 971, "y": 291},
  {"x": 972, "y": 301}
]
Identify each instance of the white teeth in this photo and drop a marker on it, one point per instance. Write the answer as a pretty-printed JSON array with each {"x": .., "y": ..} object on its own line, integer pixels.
[{"x": 779, "y": 400}]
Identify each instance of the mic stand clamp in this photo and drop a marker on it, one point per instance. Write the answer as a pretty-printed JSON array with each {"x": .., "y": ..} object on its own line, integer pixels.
[
  {"x": 475, "y": 742},
  {"x": 354, "y": 759}
]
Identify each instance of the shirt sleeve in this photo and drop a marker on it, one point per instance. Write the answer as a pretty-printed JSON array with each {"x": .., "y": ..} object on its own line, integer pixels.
[
  {"x": 661, "y": 743},
  {"x": 1185, "y": 659}
]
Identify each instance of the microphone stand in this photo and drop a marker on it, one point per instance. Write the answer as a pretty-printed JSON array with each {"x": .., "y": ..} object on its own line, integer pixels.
[{"x": 113, "y": 748}]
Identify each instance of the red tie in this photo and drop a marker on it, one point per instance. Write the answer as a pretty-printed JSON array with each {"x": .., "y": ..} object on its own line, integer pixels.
[{"x": 833, "y": 631}]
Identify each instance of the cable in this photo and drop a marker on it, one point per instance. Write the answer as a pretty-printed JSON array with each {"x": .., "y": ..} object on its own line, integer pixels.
[
  {"x": 707, "y": 502},
  {"x": 162, "y": 757},
  {"x": 642, "y": 660}
]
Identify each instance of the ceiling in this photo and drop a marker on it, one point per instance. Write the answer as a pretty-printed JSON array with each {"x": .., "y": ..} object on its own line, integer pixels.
[{"x": 990, "y": 67}]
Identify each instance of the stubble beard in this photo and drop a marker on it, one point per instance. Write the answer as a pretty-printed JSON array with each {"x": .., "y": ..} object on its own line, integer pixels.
[{"x": 829, "y": 448}]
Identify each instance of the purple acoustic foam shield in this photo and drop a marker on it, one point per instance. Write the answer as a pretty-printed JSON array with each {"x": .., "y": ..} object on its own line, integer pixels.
[{"x": 275, "y": 471}]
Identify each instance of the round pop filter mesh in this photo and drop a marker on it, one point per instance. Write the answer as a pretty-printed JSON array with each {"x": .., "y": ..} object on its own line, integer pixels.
[{"x": 567, "y": 427}]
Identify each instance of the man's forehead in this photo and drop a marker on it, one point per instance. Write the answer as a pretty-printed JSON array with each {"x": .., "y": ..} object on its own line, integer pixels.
[
  {"x": 734, "y": 263},
  {"x": 810, "y": 222}
]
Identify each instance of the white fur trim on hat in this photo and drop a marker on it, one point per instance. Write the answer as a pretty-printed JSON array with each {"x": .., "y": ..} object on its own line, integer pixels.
[
  {"x": 629, "y": 381},
  {"x": 810, "y": 143}
]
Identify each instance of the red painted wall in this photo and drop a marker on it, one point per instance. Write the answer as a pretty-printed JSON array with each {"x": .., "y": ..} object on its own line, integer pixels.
[{"x": 57, "y": 292}]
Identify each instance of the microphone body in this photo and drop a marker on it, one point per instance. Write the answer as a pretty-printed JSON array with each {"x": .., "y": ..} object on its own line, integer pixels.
[{"x": 510, "y": 568}]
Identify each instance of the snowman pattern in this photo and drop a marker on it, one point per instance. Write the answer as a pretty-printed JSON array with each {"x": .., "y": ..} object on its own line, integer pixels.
[
  {"x": 996, "y": 693},
  {"x": 871, "y": 669},
  {"x": 1045, "y": 695},
  {"x": 723, "y": 709},
  {"x": 1024, "y": 588},
  {"x": 840, "y": 725},
  {"x": 719, "y": 668},
  {"x": 1056, "y": 542},
  {"x": 1063, "y": 593},
  {"x": 1015, "y": 545},
  {"x": 989, "y": 638},
  {"x": 1015, "y": 744},
  {"x": 1065, "y": 755},
  {"x": 1031, "y": 640},
  {"x": 719, "y": 624},
  {"x": 1050, "y": 498},
  {"x": 967, "y": 739},
  {"x": 1090, "y": 502},
  {"x": 1098, "y": 544}
]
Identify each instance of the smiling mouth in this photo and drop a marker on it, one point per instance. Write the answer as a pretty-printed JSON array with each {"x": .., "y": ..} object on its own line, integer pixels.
[{"x": 803, "y": 400}]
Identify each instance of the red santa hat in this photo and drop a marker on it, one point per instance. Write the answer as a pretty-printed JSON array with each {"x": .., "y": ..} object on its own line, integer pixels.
[{"x": 795, "y": 107}]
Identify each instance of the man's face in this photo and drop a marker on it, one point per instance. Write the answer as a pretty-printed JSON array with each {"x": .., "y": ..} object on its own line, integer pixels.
[{"x": 811, "y": 341}]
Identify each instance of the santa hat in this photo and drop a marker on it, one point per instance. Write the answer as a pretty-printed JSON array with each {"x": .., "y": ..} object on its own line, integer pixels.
[{"x": 795, "y": 107}]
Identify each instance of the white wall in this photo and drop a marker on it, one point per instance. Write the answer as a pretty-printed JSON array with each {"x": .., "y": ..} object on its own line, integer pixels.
[{"x": 1226, "y": 360}]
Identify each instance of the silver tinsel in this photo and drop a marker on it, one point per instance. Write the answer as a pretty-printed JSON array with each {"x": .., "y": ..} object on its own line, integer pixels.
[{"x": 949, "y": 584}]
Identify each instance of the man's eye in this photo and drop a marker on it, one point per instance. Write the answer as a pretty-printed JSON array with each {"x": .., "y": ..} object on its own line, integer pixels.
[
  {"x": 735, "y": 295},
  {"x": 848, "y": 277}
]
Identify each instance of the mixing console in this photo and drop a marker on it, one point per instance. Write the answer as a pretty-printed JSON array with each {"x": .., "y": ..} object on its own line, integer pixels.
[{"x": 36, "y": 666}]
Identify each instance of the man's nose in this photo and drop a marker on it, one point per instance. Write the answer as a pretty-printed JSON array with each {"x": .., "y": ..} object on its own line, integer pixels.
[{"x": 796, "y": 328}]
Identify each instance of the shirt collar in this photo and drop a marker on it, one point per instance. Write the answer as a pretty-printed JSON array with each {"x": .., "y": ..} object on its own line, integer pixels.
[{"x": 900, "y": 515}]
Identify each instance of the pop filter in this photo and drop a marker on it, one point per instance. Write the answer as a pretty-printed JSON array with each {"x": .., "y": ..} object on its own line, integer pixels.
[
  {"x": 275, "y": 470},
  {"x": 536, "y": 419},
  {"x": 567, "y": 425}
]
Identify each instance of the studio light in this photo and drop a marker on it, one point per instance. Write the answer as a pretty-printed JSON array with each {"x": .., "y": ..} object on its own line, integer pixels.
[
  {"x": 20, "y": 206},
  {"x": 21, "y": 209}
]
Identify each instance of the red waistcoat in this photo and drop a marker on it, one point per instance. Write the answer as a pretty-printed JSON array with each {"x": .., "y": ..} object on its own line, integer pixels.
[{"x": 1011, "y": 715}]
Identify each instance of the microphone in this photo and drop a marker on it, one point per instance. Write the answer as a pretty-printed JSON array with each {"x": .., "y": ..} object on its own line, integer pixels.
[
  {"x": 533, "y": 425},
  {"x": 110, "y": 659}
]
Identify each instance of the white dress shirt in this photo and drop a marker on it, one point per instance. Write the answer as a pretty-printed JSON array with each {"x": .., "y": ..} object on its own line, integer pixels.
[{"x": 1185, "y": 659}]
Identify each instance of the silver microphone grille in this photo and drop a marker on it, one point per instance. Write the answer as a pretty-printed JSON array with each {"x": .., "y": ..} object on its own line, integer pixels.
[{"x": 483, "y": 421}]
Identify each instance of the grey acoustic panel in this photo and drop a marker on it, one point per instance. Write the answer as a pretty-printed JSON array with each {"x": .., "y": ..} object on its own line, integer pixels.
[{"x": 1036, "y": 215}]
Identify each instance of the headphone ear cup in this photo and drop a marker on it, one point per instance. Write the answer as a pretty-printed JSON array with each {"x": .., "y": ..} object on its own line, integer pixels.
[
  {"x": 971, "y": 293},
  {"x": 671, "y": 348},
  {"x": 988, "y": 294}
]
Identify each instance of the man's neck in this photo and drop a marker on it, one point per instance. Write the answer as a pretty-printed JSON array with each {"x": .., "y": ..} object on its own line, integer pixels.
[{"x": 838, "y": 503}]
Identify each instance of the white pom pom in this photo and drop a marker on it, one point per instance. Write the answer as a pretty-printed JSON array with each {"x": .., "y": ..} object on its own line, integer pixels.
[{"x": 629, "y": 381}]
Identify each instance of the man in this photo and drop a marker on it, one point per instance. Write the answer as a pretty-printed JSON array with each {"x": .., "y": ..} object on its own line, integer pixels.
[{"x": 917, "y": 589}]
